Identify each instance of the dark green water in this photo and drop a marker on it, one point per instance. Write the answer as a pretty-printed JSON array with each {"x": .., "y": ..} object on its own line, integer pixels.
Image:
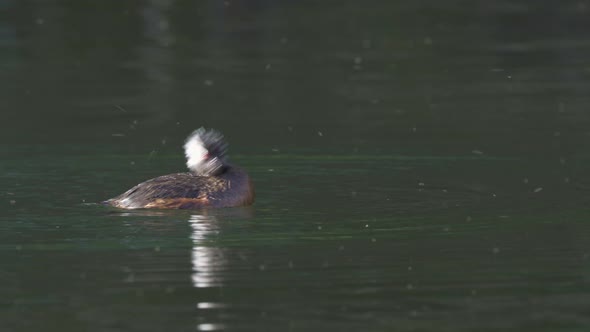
[{"x": 418, "y": 167}]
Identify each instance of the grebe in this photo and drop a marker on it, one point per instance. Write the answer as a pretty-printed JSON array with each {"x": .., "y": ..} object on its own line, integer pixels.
[{"x": 211, "y": 182}]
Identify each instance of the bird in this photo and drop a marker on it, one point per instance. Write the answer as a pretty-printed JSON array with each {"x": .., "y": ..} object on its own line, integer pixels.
[{"x": 211, "y": 182}]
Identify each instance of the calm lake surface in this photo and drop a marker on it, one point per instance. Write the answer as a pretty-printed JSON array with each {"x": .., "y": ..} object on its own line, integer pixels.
[{"x": 418, "y": 166}]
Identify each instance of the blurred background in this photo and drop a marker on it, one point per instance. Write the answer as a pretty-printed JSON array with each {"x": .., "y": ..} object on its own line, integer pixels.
[
  {"x": 504, "y": 78},
  {"x": 419, "y": 165}
]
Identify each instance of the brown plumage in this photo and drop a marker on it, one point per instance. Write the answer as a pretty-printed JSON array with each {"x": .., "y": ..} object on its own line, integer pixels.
[{"x": 212, "y": 182}]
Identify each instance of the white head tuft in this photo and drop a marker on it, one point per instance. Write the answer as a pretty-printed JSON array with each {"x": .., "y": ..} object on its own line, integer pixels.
[
  {"x": 205, "y": 151},
  {"x": 194, "y": 149}
]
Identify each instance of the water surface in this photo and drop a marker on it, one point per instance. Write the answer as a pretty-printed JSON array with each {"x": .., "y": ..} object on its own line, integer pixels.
[{"x": 418, "y": 167}]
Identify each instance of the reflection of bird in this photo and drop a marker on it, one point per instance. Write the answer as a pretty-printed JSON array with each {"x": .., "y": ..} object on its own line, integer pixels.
[
  {"x": 212, "y": 182},
  {"x": 208, "y": 261}
]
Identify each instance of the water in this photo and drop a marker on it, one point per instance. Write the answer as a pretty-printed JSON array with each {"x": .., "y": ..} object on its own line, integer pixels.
[{"x": 418, "y": 167}]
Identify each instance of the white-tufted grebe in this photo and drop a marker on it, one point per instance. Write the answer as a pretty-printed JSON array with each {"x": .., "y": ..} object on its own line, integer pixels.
[{"x": 211, "y": 182}]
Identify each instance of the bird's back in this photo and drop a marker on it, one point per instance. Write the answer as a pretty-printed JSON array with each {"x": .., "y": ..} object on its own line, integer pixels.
[{"x": 189, "y": 191}]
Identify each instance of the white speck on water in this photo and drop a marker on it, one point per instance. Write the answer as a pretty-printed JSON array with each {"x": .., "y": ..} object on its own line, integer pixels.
[
  {"x": 262, "y": 267},
  {"x": 525, "y": 180},
  {"x": 267, "y": 67},
  {"x": 353, "y": 193},
  {"x": 163, "y": 25},
  {"x": 289, "y": 128},
  {"x": 290, "y": 264},
  {"x": 410, "y": 268},
  {"x": 537, "y": 189},
  {"x": 478, "y": 152},
  {"x": 319, "y": 228},
  {"x": 284, "y": 40},
  {"x": 118, "y": 135},
  {"x": 421, "y": 184},
  {"x": 274, "y": 150},
  {"x": 358, "y": 60},
  {"x": 509, "y": 77},
  {"x": 208, "y": 82},
  {"x": 163, "y": 141},
  {"x": 414, "y": 129},
  {"x": 40, "y": 21},
  {"x": 495, "y": 250},
  {"x": 120, "y": 108},
  {"x": 320, "y": 134},
  {"x": 373, "y": 240},
  {"x": 271, "y": 169},
  {"x": 157, "y": 249},
  {"x": 446, "y": 229},
  {"x": 409, "y": 286},
  {"x": 132, "y": 163},
  {"x": 130, "y": 278},
  {"x": 366, "y": 225},
  {"x": 12, "y": 202},
  {"x": 566, "y": 180}
]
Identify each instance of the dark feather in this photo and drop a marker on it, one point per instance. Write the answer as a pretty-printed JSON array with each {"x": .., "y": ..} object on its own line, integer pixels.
[{"x": 188, "y": 190}]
